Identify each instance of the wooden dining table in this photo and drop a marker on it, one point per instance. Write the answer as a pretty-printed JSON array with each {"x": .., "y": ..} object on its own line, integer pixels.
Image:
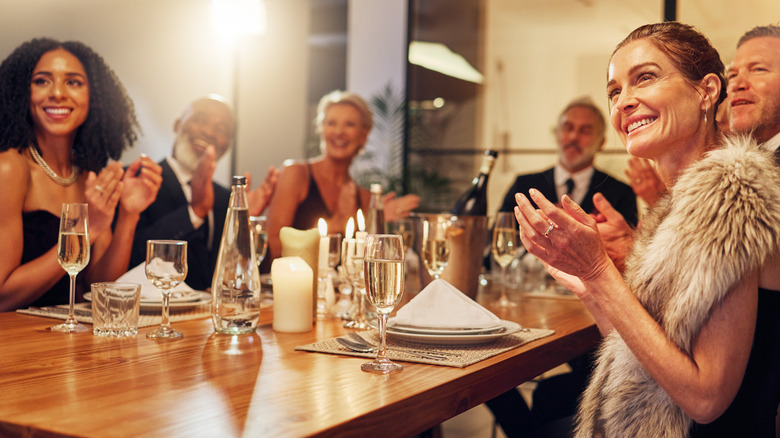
[{"x": 207, "y": 384}]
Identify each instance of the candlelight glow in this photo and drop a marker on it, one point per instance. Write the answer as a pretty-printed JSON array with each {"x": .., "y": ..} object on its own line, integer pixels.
[
  {"x": 350, "y": 229},
  {"x": 323, "y": 227},
  {"x": 361, "y": 221}
]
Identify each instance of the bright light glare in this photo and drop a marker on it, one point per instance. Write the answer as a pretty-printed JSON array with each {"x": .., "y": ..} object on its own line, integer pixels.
[{"x": 235, "y": 18}]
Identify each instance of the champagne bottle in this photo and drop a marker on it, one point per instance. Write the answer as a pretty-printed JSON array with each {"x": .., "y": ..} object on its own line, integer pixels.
[
  {"x": 375, "y": 223},
  {"x": 473, "y": 202}
]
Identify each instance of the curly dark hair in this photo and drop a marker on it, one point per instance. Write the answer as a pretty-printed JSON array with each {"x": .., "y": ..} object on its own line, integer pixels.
[{"x": 111, "y": 125}]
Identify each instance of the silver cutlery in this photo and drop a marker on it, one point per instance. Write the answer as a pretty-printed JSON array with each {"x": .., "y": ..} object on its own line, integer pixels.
[
  {"x": 362, "y": 348},
  {"x": 363, "y": 342}
]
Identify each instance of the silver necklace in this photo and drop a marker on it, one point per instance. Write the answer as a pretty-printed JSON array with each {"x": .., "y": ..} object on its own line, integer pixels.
[{"x": 74, "y": 173}]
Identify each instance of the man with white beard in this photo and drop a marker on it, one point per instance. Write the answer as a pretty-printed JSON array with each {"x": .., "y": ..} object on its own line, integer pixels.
[{"x": 190, "y": 205}]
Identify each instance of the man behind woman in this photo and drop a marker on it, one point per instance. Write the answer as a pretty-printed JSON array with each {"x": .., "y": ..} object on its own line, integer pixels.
[
  {"x": 63, "y": 115},
  {"x": 680, "y": 327}
]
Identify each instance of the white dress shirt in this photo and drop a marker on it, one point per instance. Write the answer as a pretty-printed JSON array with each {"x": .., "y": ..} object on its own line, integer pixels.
[
  {"x": 581, "y": 182},
  {"x": 184, "y": 176}
]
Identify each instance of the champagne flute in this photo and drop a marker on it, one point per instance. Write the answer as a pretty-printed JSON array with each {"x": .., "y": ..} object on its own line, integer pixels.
[
  {"x": 73, "y": 256},
  {"x": 353, "y": 267},
  {"x": 166, "y": 267},
  {"x": 384, "y": 273},
  {"x": 435, "y": 246},
  {"x": 404, "y": 228},
  {"x": 504, "y": 248},
  {"x": 260, "y": 235}
]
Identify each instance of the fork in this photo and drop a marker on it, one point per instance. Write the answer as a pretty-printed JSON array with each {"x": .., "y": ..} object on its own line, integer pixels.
[
  {"x": 365, "y": 343},
  {"x": 363, "y": 348}
]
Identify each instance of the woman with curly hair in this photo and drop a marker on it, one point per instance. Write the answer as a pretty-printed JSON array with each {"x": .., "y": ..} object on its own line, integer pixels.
[{"x": 63, "y": 115}]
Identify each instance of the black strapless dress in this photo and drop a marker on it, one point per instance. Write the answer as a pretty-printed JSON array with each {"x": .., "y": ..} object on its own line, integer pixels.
[
  {"x": 753, "y": 411},
  {"x": 41, "y": 232}
]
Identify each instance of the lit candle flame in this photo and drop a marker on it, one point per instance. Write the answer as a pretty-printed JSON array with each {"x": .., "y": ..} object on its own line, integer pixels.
[
  {"x": 361, "y": 221},
  {"x": 350, "y": 229},
  {"x": 323, "y": 227}
]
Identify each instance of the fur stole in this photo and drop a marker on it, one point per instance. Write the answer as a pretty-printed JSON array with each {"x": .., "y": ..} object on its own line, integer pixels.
[{"x": 720, "y": 221}]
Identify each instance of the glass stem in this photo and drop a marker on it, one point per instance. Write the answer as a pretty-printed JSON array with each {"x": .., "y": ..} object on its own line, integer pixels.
[
  {"x": 165, "y": 325},
  {"x": 71, "y": 312},
  {"x": 503, "y": 284},
  {"x": 381, "y": 356}
]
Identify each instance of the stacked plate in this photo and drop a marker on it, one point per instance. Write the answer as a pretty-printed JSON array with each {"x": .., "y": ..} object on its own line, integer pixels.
[{"x": 457, "y": 336}]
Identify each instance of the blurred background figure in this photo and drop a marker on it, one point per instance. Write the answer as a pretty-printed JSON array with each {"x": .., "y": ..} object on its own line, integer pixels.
[
  {"x": 191, "y": 206},
  {"x": 63, "y": 115},
  {"x": 580, "y": 135},
  {"x": 322, "y": 187}
]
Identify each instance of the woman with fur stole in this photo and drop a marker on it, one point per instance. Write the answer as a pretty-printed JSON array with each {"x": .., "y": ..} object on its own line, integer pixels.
[{"x": 679, "y": 328}]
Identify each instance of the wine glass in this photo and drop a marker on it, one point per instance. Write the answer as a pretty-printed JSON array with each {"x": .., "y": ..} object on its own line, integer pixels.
[
  {"x": 352, "y": 261},
  {"x": 435, "y": 245},
  {"x": 504, "y": 248},
  {"x": 404, "y": 228},
  {"x": 73, "y": 255},
  {"x": 384, "y": 273},
  {"x": 166, "y": 267},
  {"x": 260, "y": 235}
]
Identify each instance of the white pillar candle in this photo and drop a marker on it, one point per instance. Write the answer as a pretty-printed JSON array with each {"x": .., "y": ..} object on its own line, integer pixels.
[
  {"x": 304, "y": 244},
  {"x": 322, "y": 261},
  {"x": 360, "y": 244},
  {"x": 292, "y": 289}
]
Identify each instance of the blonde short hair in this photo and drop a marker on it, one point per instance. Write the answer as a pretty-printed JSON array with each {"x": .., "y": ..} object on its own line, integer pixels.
[{"x": 339, "y": 97}]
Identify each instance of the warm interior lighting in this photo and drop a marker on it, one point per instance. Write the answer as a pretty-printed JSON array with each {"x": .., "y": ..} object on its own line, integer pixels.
[
  {"x": 323, "y": 227},
  {"x": 235, "y": 18},
  {"x": 438, "y": 57},
  {"x": 361, "y": 221},
  {"x": 350, "y": 229}
]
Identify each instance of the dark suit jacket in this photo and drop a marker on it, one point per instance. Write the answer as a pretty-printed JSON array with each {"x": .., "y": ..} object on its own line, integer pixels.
[
  {"x": 168, "y": 218},
  {"x": 620, "y": 195}
]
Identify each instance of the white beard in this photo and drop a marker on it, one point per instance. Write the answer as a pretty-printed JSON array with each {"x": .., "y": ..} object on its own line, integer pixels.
[{"x": 185, "y": 153}]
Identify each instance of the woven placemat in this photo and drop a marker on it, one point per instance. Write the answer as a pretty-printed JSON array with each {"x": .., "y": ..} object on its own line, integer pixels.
[
  {"x": 458, "y": 356},
  {"x": 83, "y": 313}
]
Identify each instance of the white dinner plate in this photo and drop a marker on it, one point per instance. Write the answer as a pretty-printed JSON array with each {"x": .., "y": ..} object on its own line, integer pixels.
[
  {"x": 194, "y": 298},
  {"x": 509, "y": 328},
  {"x": 392, "y": 324}
]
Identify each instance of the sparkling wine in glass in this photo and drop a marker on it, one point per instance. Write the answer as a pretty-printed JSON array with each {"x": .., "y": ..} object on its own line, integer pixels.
[
  {"x": 404, "y": 228},
  {"x": 260, "y": 235},
  {"x": 73, "y": 255},
  {"x": 435, "y": 245},
  {"x": 353, "y": 267},
  {"x": 384, "y": 273},
  {"x": 504, "y": 248},
  {"x": 166, "y": 267}
]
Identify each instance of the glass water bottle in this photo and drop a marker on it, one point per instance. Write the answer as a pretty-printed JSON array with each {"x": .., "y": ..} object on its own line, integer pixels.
[{"x": 235, "y": 289}]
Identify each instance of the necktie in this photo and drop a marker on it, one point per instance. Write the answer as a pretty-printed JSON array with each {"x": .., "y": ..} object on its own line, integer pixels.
[{"x": 569, "y": 186}]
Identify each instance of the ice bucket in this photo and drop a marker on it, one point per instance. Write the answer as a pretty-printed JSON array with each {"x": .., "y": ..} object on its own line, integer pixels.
[{"x": 467, "y": 237}]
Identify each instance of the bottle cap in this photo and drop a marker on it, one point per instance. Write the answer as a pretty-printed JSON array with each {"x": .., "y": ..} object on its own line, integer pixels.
[
  {"x": 239, "y": 180},
  {"x": 375, "y": 188}
]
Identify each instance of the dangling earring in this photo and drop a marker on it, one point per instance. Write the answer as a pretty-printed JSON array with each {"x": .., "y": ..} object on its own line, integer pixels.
[{"x": 705, "y": 117}]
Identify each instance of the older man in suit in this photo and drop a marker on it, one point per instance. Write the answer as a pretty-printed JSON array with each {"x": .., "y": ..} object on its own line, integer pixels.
[
  {"x": 580, "y": 134},
  {"x": 190, "y": 205}
]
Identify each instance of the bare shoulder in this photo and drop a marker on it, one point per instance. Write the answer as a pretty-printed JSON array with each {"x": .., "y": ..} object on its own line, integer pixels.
[{"x": 14, "y": 169}]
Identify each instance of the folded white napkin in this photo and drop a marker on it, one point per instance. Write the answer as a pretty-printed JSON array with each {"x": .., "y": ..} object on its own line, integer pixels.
[
  {"x": 151, "y": 293},
  {"x": 442, "y": 305}
]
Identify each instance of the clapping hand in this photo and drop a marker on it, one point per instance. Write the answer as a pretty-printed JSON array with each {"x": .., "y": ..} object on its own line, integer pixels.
[
  {"x": 201, "y": 183},
  {"x": 397, "y": 208},
  {"x": 616, "y": 234},
  {"x": 260, "y": 197},
  {"x": 102, "y": 193},
  {"x": 645, "y": 180},
  {"x": 141, "y": 182}
]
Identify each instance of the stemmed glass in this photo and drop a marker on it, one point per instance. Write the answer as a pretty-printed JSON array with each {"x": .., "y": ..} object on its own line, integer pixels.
[
  {"x": 259, "y": 227},
  {"x": 435, "y": 245},
  {"x": 384, "y": 272},
  {"x": 504, "y": 248},
  {"x": 353, "y": 267},
  {"x": 405, "y": 228},
  {"x": 166, "y": 267},
  {"x": 73, "y": 255}
]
